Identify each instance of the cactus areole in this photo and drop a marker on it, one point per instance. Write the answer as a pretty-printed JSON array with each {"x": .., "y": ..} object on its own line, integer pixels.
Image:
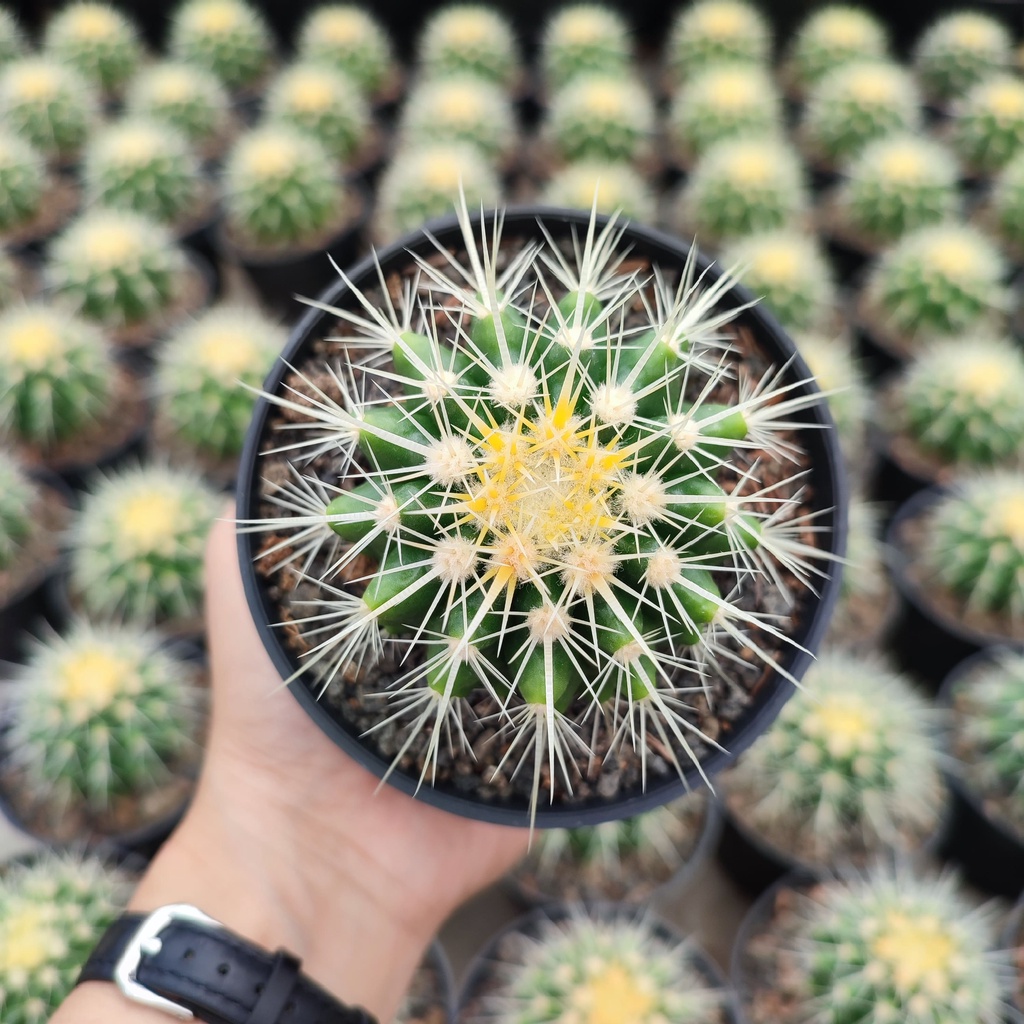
[{"x": 549, "y": 512}]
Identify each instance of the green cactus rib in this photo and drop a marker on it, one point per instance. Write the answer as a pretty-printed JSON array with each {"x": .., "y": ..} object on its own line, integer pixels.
[
  {"x": 226, "y": 37},
  {"x": 716, "y": 32},
  {"x": 53, "y": 909},
  {"x": 18, "y": 497},
  {"x": 541, "y": 494},
  {"x": 98, "y": 41},
  {"x": 349, "y": 38},
  {"x": 468, "y": 39},
  {"x": 185, "y": 97}
]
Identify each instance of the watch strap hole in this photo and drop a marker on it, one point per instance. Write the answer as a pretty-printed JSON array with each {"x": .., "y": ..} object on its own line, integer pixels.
[{"x": 277, "y": 990}]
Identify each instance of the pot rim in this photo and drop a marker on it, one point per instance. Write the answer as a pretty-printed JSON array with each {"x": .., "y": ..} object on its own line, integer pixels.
[{"x": 824, "y": 459}]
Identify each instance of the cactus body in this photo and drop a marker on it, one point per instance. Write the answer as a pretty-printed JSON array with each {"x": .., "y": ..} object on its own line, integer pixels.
[
  {"x": 98, "y": 41},
  {"x": 48, "y": 104},
  {"x": 865, "y": 573},
  {"x": 100, "y": 713},
  {"x": 895, "y": 185},
  {"x": 12, "y": 38},
  {"x": 723, "y": 102},
  {"x": 281, "y": 188},
  {"x": 201, "y": 372},
  {"x": 350, "y": 39},
  {"x": 975, "y": 543},
  {"x": 56, "y": 374},
  {"x": 742, "y": 187},
  {"x": 891, "y": 946},
  {"x": 832, "y": 36},
  {"x": 459, "y": 109},
  {"x": 185, "y": 97},
  {"x": 22, "y": 182},
  {"x": 989, "y": 127},
  {"x": 322, "y": 102},
  {"x": 855, "y": 104},
  {"x": 601, "y": 117},
  {"x": 791, "y": 274},
  {"x": 850, "y": 767},
  {"x": 137, "y": 545},
  {"x": 144, "y": 167},
  {"x": 612, "y": 186},
  {"x": 958, "y": 50},
  {"x": 226, "y": 37},
  {"x": 53, "y": 910},
  {"x": 1007, "y": 201},
  {"x": 18, "y": 495},
  {"x": 963, "y": 400},
  {"x": 835, "y": 368},
  {"x": 117, "y": 267},
  {"x": 585, "y": 968},
  {"x": 424, "y": 184},
  {"x": 940, "y": 280},
  {"x": 713, "y": 32},
  {"x": 468, "y": 40},
  {"x": 583, "y": 39}
]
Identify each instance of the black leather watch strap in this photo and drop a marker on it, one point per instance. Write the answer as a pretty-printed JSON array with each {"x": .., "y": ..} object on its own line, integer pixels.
[{"x": 220, "y": 977}]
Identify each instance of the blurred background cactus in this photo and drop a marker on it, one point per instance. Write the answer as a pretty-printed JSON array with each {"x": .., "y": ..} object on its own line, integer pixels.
[
  {"x": 988, "y": 129},
  {"x": 47, "y": 104},
  {"x": 117, "y": 267},
  {"x": 959, "y": 50},
  {"x": 849, "y": 770},
  {"x": 137, "y": 545},
  {"x": 18, "y": 496},
  {"x": 144, "y": 167},
  {"x": 98, "y": 41},
  {"x": 350, "y": 39},
  {"x": 471, "y": 40},
  {"x": 226, "y": 37},
  {"x": 57, "y": 374},
  {"x": 22, "y": 182},
  {"x": 1006, "y": 206},
  {"x": 12, "y": 37},
  {"x": 581, "y": 39},
  {"x": 710, "y": 33},
  {"x": 53, "y": 910},
  {"x": 100, "y": 713},
  {"x": 608, "y": 185}
]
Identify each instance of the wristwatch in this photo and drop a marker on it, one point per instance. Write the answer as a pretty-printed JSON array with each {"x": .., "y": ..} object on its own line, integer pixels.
[{"x": 182, "y": 961}]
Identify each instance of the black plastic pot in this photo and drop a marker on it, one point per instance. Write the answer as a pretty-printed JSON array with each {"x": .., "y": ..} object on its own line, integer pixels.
[
  {"x": 927, "y": 643},
  {"x": 988, "y": 852},
  {"x": 825, "y": 480},
  {"x": 480, "y": 972}
]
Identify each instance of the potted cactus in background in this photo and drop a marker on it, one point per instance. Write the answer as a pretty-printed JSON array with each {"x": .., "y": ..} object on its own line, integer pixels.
[
  {"x": 608, "y": 186},
  {"x": 988, "y": 124},
  {"x": 581, "y": 39},
  {"x": 53, "y": 909},
  {"x": 1002, "y": 211},
  {"x": 470, "y": 40},
  {"x": 630, "y": 392},
  {"x": 710, "y": 33},
  {"x": 102, "y": 736},
  {"x": 12, "y": 37},
  {"x": 34, "y": 203}
]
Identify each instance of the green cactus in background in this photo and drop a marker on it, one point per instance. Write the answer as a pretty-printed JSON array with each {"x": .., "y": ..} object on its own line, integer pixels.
[
  {"x": 226, "y": 37},
  {"x": 937, "y": 281},
  {"x": 895, "y": 185},
  {"x": 350, "y": 39},
  {"x": 100, "y": 713},
  {"x": 742, "y": 187},
  {"x": 791, "y": 274},
  {"x": 988, "y": 129},
  {"x": 975, "y": 542},
  {"x": 610, "y": 187},
  {"x": 1007, "y": 202},
  {"x": 201, "y": 370},
  {"x": 601, "y": 117},
  {"x": 18, "y": 496},
  {"x": 425, "y": 183},
  {"x": 185, "y": 97},
  {"x": 117, "y": 267},
  {"x": 281, "y": 188},
  {"x": 98, "y": 41},
  {"x": 589, "y": 968},
  {"x": 53, "y": 910},
  {"x": 144, "y": 167},
  {"x": 851, "y": 767},
  {"x": 855, "y": 104},
  {"x": 459, "y": 109},
  {"x": 963, "y": 400},
  {"x": 517, "y": 541},
  {"x": 583, "y": 39},
  {"x": 48, "y": 104},
  {"x": 714, "y": 32},
  {"x": 22, "y": 181},
  {"x": 989, "y": 723},
  {"x": 12, "y": 37},
  {"x": 830, "y": 37},
  {"x": 723, "y": 102},
  {"x": 469, "y": 40},
  {"x": 56, "y": 374},
  {"x": 837, "y": 372},
  {"x": 890, "y": 946},
  {"x": 137, "y": 545},
  {"x": 959, "y": 50},
  {"x": 864, "y": 572},
  {"x": 322, "y": 102},
  {"x": 10, "y": 279}
]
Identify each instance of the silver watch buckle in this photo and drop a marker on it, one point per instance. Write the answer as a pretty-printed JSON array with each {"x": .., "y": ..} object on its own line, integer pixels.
[{"x": 147, "y": 942}]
